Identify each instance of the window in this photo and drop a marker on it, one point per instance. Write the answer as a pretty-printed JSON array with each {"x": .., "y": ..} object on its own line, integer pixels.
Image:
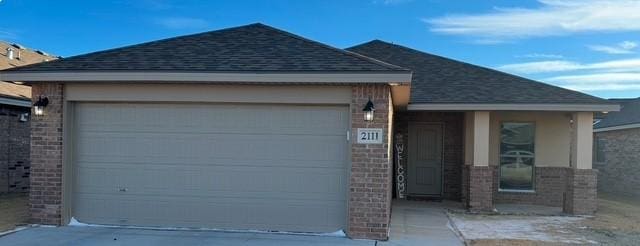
[
  {"x": 517, "y": 154},
  {"x": 599, "y": 149}
]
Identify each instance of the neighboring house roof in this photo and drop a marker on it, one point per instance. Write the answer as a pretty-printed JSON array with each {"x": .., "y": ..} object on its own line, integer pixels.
[
  {"x": 439, "y": 80},
  {"x": 251, "y": 48},
  {"x": 12, "y": 93},
  {"x": 627, "y": 117}
]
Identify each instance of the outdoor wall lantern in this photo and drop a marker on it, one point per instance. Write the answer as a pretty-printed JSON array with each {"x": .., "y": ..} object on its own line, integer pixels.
[
  {"x": 368, "y": 111},
  {"x": 38, "y": 107}
]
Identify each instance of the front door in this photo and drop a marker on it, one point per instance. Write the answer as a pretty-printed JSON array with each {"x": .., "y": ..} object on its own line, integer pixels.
[{"x": 425, "y": 159}]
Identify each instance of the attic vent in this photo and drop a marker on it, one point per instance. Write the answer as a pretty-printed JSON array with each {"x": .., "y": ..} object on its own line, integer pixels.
[
  {"x": 18, "y": 46},
  {"x": 10, "y": 53},
  {"x": 42, "y": 53}
]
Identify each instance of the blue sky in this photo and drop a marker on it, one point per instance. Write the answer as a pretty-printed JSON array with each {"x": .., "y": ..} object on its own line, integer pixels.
[{"x": 586, "y": 45}]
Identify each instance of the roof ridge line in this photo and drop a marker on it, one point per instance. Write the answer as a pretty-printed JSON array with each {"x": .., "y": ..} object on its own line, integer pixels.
[
  {"x": 343, "y": 51},
  {"x": 140, "y": 44},
  {"x": 390, "y": 67}
]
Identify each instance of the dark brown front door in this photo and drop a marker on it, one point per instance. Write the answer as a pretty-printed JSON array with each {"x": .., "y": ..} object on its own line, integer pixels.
[{"x": 425, "y": 159}]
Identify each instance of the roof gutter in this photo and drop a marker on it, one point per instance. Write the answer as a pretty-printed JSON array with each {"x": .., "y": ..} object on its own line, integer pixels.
[
  {"x": 15, "y": 102},
  {"x": 620, "y": 127},
  {"x": 512, "y": 107},
  {"x": 155, "y": 76}
]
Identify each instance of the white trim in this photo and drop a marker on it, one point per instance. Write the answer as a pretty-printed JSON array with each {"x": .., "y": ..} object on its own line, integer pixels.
[
  {"x": 15, "y": 102},
  {"x": 620, "y": 127},
  {"x": 155, "y": 76},
  {"x": 515, "y": 191},
  {"x": 17, "y": 229},
  {"x": 514, "y": 107}
]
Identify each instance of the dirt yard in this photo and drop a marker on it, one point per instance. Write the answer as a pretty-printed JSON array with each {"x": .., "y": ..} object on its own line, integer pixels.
[
  {"x": 14, "y": 211},
  {"x": 617, "y": 222}
]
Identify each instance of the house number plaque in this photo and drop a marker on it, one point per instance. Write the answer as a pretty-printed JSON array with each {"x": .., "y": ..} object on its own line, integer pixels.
[{"x": 370, "y": 135}]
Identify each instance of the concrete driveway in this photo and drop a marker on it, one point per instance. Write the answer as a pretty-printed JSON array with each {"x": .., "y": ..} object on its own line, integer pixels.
[
  {"x": 69, "y": 235},
  {"x": 412, "y": 224}
]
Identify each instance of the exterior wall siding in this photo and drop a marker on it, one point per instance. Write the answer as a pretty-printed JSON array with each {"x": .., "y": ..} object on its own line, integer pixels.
[
  {"x": 14, "y": 150},
  {"x": 619, "y": 170},
  {"x": 370, "y": 189},
  {"x": 46, "y": 157},
  {"x": 549, "y": 188},
  {"x": 371, "y": 167},
  {"x": 479, "y": 187},
  {"x": 572, "y": 189},
  {"x": 370, "y": 181},
  {"x": 452, "y": 145},
  {"x": 581, "y": 196}
]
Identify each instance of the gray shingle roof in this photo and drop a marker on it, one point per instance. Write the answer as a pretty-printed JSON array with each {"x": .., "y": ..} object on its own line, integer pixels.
[
  {"x": 629, "y": 114},
  {"x": 255, "y": 47},
  {"x": 441, "y": 80}
]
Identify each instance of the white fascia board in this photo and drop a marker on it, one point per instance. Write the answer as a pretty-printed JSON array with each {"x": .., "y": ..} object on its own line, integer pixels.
[
  {"x": 154, "y": 76},
  {"x": 513, "y": 107},
  {"x": 614, "y": 128},
  {"x": 15, "y": 102}
]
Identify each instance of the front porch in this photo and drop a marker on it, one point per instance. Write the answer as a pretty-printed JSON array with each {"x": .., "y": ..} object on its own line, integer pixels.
[
  {"x": 483, "y": 158},
  {"x": 432, "y": 222}
]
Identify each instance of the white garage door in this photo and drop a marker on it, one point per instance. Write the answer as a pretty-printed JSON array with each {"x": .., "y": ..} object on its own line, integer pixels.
[{"x": 227, "y": 166}]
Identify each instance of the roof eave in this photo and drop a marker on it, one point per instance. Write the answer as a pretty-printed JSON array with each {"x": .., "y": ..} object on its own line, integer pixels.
[
  {"x": 576, "y": 107},
  {"x": 403, "y": 77},
  {"x": 15, "y": 102},
  {"x": 618, "y": 127}
]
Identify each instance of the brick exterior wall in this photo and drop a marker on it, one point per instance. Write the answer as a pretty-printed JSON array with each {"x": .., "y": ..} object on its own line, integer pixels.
[
  {"x": 46, "y": 157},
  {"x": 582, "y": 191},
  {"x": 371, "y": 167},
  {"x": 479, "y": 187},
  {"x": 549, "y": 185},
  {"x": 14, "y": 149},
  {"x": 452, "y": 145},
  {"x": 619, "y": 171},
  {"x": 573, "y": 189}
]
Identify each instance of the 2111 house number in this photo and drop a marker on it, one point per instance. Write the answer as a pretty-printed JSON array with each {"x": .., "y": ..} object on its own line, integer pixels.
[{"x": 370, "y": 135}]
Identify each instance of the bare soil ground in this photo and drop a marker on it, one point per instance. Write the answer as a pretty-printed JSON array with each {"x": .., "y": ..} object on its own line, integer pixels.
[
  {"x": 14, "y": 211},
  {"x": 617, "y": 222}
]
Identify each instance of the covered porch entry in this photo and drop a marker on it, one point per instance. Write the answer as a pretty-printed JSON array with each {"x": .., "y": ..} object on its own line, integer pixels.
[{"x": 484, "y": 158}]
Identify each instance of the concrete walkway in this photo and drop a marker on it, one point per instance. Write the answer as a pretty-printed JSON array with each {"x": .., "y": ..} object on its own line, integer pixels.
[
  {"x": 68, "y": 235},
  {"x": 412, "y": 223},
  {"x": 420, "y": 223}
]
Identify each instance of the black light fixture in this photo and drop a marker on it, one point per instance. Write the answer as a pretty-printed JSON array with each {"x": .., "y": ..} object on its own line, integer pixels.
[
  {"x": 368, "y": 111},
  {"x": 38, "y": 106}
]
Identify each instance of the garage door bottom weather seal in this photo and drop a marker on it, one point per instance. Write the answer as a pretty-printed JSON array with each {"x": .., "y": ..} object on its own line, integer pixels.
[{"x": 74, "y": 222}]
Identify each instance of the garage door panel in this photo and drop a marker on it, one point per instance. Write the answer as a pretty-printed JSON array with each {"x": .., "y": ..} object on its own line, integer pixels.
[
  {"x": 220, "y": 213},
  {"x": 214, "y": 182},
  {"x": 160, "y": 148},
  {"x": 223, "y": 118},
  {"x": 265, "y": 167}
]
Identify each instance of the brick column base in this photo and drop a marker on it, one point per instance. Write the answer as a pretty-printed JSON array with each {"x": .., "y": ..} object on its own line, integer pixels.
[
  {"x": 581, "y": 196},
  {"x": 478, "y": 187}
]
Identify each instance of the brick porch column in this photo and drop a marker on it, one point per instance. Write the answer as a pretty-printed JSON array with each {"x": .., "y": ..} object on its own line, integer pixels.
[
  {"x": 371, "y": 166},
  {"x": 477, "y": 178},
  {"x": 581, "y": 192},
  {"x": 46, "y": 157}
]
